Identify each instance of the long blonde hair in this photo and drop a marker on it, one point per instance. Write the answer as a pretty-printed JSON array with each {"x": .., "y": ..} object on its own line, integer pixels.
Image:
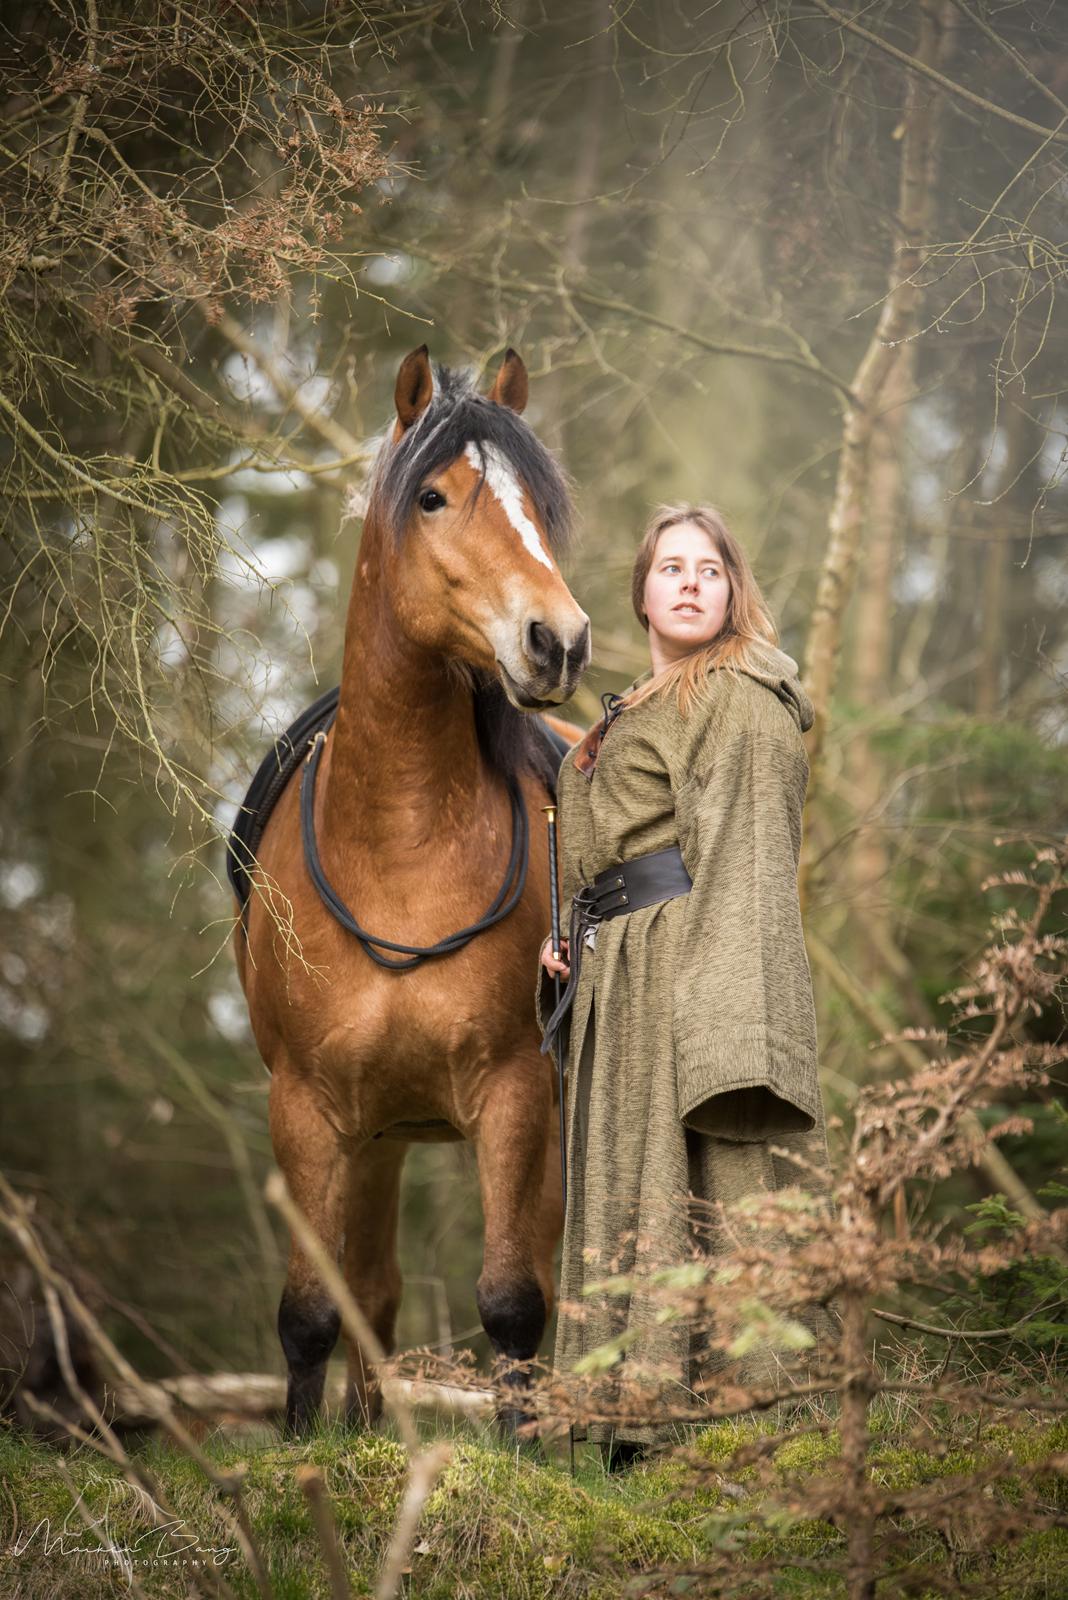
[{"x": 747, "y": 621}]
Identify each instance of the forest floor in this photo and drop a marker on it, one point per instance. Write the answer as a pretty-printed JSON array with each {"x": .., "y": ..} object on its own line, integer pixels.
[{"x": 518, "y": 1527}]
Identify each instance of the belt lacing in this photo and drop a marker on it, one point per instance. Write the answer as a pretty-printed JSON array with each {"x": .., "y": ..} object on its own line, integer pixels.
[{"x": 584, "y": 916}]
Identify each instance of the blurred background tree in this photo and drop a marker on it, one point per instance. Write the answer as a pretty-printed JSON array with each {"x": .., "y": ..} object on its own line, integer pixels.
[{"x": 222, "y": 228}]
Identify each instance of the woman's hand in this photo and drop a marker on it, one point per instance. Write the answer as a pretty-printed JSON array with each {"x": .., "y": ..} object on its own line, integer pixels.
[{"x": 549, "y": 961}]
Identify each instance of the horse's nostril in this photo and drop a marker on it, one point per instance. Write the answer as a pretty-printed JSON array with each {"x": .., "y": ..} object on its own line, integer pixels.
[
  {"x": 578, "y": 655},
  {"x": 540, "y": 642}
]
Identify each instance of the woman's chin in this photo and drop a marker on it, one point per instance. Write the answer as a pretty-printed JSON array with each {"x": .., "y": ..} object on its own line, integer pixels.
[{"x": 687, "y": 636}]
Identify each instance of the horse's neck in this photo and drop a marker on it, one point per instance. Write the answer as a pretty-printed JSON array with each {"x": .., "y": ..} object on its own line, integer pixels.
[{"x": 405, "y": 765}]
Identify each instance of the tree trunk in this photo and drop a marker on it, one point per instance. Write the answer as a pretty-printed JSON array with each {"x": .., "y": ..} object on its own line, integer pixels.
[
  {"x": 870, "y": 860},
  {"x": 897, "y": 321}
]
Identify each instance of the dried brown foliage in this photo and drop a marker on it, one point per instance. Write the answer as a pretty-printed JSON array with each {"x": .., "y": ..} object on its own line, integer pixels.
[
  {"x": 176, "y": 156},
  {"x": 163, "y": 169}
]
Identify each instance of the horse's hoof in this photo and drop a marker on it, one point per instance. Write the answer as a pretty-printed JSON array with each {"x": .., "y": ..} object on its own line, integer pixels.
[
  {"x": 518, "y": 1429},
  {"x": 356, "y": 1420},
  {"x": 623, "y": 1454},
  {"x": 298, "y": 1430}
]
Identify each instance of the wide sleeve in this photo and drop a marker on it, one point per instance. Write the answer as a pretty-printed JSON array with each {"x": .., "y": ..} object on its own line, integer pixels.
[{"x": 742, "y": 1012}]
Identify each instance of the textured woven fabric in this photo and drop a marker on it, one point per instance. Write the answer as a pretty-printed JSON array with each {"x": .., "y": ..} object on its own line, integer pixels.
[{"x": 693, "y": 1034}]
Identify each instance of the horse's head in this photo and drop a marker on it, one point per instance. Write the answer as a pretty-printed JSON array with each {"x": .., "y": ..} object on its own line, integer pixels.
[{"x": 479, "y": 510}]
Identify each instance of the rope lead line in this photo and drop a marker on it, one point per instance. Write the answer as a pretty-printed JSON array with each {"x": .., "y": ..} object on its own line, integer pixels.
[{"x": 339, "y": 910}]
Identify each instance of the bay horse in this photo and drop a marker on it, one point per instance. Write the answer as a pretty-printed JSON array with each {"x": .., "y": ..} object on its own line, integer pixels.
[{"x": 459, "y": 626}]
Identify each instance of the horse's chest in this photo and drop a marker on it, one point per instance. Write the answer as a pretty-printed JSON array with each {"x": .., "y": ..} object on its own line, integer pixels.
[{"x": 414, "y": 1024}]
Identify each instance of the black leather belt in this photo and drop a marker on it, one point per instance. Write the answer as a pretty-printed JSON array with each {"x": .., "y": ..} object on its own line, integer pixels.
[{"x": 661, "y": 875}]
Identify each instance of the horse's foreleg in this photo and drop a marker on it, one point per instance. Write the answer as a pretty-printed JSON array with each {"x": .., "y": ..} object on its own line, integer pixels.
[
  {"x": 515, "y": 1289},
  {"x": 372, "y": 1271},
  {"x": 311, "y": 1156}
]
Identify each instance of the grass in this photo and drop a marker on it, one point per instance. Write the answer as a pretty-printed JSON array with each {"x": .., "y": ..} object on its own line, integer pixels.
[{"x": 517, "y": 1529}]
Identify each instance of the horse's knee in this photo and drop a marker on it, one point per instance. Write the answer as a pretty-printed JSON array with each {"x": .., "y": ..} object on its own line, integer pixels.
[
  {"x": 514, "y": 1315},
  {"x": 308, "y": 1330}
]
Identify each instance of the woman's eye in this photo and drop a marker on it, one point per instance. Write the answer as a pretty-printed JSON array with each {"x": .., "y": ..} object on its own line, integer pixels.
[{"x": 431, "y": 500}]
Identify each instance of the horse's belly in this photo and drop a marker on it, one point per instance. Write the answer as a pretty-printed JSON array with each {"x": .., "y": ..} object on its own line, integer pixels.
[{"x": 433, "y": 1131}]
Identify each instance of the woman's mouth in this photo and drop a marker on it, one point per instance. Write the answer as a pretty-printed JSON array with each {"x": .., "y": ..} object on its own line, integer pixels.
[{"x": 687, "y": 609}]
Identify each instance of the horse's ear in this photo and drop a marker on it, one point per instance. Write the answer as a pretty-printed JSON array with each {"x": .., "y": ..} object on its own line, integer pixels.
[
  {"x": 511, "y": 387},
  {"x": 415, "y": 387}
]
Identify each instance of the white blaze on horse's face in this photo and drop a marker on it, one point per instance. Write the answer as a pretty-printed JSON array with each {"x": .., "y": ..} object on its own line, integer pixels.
[
  {"x": 502, "y": 481},
  {"x": 539, "y": 635},
  {"x": 479, "y": 582}
]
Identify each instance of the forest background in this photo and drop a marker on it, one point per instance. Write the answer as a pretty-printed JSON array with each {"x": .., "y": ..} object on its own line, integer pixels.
[{"x": 805, "y": 262}]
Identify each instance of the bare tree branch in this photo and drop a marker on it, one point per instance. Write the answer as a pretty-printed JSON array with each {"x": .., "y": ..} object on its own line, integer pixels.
[{"x": 925, "y": 69}]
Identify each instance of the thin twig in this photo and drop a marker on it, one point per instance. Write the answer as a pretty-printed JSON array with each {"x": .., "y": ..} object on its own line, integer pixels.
[
  {"x": 424, "y": 1474},
  {"x": 314, "y": 1490},
  {"x": 969, "y": 1334}
]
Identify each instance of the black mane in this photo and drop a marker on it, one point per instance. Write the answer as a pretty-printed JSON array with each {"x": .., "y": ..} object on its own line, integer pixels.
[{"x": 509, "y": 739}]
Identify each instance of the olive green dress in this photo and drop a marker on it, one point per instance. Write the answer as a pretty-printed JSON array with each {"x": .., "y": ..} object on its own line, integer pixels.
[{"x": 693, "y": 1033}]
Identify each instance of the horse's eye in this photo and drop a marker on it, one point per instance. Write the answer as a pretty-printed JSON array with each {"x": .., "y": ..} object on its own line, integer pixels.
[{"x": 431, "y": 500}]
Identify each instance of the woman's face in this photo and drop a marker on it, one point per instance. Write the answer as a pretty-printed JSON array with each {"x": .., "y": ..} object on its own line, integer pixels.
[{"x": 687, "y": 591}]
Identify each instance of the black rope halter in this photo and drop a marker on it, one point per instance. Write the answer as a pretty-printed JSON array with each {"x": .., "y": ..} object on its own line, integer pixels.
[{"x": 499, "y": 908}]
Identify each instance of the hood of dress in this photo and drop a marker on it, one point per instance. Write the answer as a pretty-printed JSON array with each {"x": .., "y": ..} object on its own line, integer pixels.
[{"x": 776, "y": 671}]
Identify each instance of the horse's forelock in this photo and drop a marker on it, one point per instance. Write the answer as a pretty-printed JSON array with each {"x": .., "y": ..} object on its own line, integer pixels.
[{"x": 457, "y": 416}]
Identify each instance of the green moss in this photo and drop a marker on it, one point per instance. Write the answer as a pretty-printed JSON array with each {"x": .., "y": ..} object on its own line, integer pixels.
[
  {"x": 720, "y": 1441},
  {"x": 1035, "y": 1565},
  {"x": 520, "y": 1530},
  {"x": 809, "y": 1453},
  {"x": 1027, "y": 1444},
  {"x": 903, "y": 1467}
]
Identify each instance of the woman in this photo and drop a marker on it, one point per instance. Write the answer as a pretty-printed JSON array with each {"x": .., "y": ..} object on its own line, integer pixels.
[{"x": 692, "y": 1029}]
